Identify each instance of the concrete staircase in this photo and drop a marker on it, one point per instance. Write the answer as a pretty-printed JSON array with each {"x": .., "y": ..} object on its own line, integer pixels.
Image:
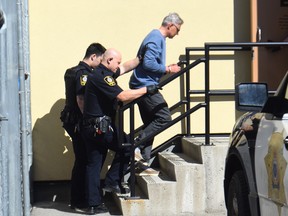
[{"x": 190, "y": 181}]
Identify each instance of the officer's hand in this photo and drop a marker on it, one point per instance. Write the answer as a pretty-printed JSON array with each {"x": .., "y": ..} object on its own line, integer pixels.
[{"x": 152, "y": 89}]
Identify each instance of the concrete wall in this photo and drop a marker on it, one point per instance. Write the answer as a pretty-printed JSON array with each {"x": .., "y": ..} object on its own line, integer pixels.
[{"x": 61, "y": 31}]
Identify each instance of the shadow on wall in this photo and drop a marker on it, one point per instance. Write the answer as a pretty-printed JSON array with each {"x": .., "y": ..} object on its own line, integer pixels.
[
  {"x": 52, "y": 149},
  {"x": 53, "y": 155}
]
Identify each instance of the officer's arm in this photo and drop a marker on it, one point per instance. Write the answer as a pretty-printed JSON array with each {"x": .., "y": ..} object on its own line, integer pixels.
[
  {"x": 80, "y": 102},
  {"x": 131, "y": 94},
  {"x": 129, "y": 65}
]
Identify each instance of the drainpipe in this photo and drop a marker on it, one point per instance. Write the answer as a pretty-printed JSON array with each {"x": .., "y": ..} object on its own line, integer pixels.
[
  {"x": 27, "y": 82},
  {"x": 3, "y": 121},
  {"x": 23, "y": 122}
]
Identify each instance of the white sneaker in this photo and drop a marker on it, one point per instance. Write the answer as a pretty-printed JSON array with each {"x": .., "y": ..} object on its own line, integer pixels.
[{"x": 138, "y": 155}]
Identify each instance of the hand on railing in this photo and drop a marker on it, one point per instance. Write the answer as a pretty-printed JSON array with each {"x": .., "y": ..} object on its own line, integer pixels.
[{"x": 173, "y": 68}]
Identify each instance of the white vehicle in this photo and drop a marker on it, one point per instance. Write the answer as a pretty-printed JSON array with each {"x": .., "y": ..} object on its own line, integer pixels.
[{"x": 256, "y": 176}]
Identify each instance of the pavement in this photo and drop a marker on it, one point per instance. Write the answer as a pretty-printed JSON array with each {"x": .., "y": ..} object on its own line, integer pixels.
[
  {"x": 52, "y": 199},
  {"x": 63, "y": 209}
]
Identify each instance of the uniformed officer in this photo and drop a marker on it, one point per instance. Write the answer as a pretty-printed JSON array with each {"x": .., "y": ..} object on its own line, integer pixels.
[
  {"x": 102, "y": 96},
  {"x": 71, "y": 115},
  {"x": 75, "y": 81}
]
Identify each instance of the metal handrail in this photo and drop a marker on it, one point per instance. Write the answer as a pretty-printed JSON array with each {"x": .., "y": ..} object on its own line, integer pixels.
[
  {"x": 225, "y": 47},
  {"x": 207, "y": 94},
  {"x": 131, "y": 104},
  {"x": 174, "y": 121}
]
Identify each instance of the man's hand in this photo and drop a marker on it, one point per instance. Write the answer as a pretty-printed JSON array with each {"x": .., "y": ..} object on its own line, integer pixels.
[
  {"x": 173, "y": 68},
  {"x": 152, "y": 89}
]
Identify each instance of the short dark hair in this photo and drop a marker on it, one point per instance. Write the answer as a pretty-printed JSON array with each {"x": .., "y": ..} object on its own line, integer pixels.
[{"x": 94, "y": 48}]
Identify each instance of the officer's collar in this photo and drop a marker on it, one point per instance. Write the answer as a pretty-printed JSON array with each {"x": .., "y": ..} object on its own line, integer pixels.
[
  {"x": 86, "y": 66},
  {"x": 104, "y": 68}
]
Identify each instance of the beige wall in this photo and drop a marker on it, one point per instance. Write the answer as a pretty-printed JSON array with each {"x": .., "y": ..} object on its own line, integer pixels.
[{"x": 60, "y": 32}]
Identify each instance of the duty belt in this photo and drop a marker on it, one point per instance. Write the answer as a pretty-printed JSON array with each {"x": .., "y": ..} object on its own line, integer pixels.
[{"x": 101, "y": 124}]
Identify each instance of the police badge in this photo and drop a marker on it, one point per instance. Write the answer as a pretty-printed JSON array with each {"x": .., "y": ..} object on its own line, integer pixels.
[
  {"x": 110, "y": 80},
  {"x": 83, "y": 80}
]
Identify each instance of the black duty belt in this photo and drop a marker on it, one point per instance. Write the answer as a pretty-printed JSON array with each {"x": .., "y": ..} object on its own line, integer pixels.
[{"x": 101, "y": 124}]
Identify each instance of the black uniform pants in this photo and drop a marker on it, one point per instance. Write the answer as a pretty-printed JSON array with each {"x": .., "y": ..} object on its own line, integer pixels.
[
  {"x": 155, "y": 114},
  {"x": 78, "y": 197},
  {"x": 97, "y": 146}
]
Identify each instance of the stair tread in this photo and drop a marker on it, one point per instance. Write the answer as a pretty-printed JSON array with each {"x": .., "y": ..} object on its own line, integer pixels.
[
  {"x": 162, "y": 178},
  {"x": 178, "y": 158},
  {"x": 200, "y": 140}
]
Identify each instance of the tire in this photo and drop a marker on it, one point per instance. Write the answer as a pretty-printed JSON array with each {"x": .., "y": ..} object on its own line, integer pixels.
[{"x": 238, "y": 204}]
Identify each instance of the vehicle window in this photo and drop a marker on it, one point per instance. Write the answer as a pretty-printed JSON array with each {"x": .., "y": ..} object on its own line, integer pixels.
[{"x": 276, "y": 105}]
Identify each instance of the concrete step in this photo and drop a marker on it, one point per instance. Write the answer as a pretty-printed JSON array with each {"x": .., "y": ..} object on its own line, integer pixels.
[
  {"x": 189, "y": 183},
  {"x": 189, "y": 177},
  {"x": 153, "y": 194},
  {"x": 150, "y": 186},
  {"x": 213, "y": 159}
]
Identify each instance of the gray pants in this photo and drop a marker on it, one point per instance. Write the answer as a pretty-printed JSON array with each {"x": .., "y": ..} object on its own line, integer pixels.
[{"x": 155, "y": 114}]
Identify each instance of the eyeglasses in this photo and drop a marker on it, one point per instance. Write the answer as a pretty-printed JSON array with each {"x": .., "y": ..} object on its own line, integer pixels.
[{"x": 177, "y": 28}]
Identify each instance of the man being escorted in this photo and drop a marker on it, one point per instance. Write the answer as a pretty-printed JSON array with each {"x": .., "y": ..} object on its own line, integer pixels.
[
  {"x": 102, "y": 97},
  {"x": 153, "y": 108}
]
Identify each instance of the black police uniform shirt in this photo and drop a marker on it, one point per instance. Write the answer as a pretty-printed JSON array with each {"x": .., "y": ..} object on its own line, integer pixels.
[
  {"x": 81, "y": 78},
  {"x": 101, "y": 93},
  {"x": 75, "y": 80}
]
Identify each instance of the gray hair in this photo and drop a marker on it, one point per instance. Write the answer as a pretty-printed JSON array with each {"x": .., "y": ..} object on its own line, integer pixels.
[{"x": 172, "y": 18}]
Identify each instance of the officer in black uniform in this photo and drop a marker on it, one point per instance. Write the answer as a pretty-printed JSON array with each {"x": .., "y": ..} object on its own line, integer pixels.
[
  {"x": 102, "y": 96},
  {"x": 71, "y": 116}
]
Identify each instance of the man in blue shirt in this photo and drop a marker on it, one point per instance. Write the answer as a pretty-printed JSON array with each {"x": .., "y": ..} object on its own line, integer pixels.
[{"x": 153, "y": 108}]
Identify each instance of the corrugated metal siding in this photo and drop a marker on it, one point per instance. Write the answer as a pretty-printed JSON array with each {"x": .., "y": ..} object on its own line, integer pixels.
[{"x": 15, "y": 136}]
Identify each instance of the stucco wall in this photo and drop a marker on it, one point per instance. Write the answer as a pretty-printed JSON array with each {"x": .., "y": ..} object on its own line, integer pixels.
[{"x": 60, "y": 32}]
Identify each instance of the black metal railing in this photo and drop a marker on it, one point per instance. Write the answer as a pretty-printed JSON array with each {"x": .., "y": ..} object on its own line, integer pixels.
[
  {"x": 132, "y": 130},
  {"x": 208, "y": 93},
  {"x": 225, "y": 47}
]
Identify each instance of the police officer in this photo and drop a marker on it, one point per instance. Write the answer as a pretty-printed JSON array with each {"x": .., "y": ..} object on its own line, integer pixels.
[
  {"x": 75, "y": 79},
  {"x": 102, "y": 96}
]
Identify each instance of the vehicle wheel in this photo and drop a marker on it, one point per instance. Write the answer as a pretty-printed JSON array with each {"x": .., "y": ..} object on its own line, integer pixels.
[{"x": 238, "y": 204}]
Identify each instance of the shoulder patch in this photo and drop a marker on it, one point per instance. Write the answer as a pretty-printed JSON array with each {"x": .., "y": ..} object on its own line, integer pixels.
[
  {"x": 83, "y": 80},
  {"x": 110, "y": 80}
]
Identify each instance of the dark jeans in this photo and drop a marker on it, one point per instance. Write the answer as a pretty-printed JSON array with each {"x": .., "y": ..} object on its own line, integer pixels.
[
  {"x": 78, "y": 175},
  {"x": 155, "y": 114},
  {"x": 97, "y": 147}
]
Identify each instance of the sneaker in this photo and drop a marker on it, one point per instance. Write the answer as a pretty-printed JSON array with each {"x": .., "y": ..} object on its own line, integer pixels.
[
  {"x": 125, "y": 189},
  {"x": 112, "y": 188},
  {"x": 92, "y": 210},
  {"x": 138, "y": 155},
  {"x": 78, "y": 207},
  {"x": 142, "y": 164}
]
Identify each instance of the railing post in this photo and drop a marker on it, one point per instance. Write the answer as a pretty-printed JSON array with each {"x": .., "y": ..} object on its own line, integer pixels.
[
  {"x": 207, "y": 95},
  {"x": 187, "y": 75},
  {"x": 132, "y": 163}
]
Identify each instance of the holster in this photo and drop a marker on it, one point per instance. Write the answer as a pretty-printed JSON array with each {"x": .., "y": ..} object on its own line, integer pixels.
[
  {"x": 101, "y": 124},
  {"x": 69, "y": 116}
]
